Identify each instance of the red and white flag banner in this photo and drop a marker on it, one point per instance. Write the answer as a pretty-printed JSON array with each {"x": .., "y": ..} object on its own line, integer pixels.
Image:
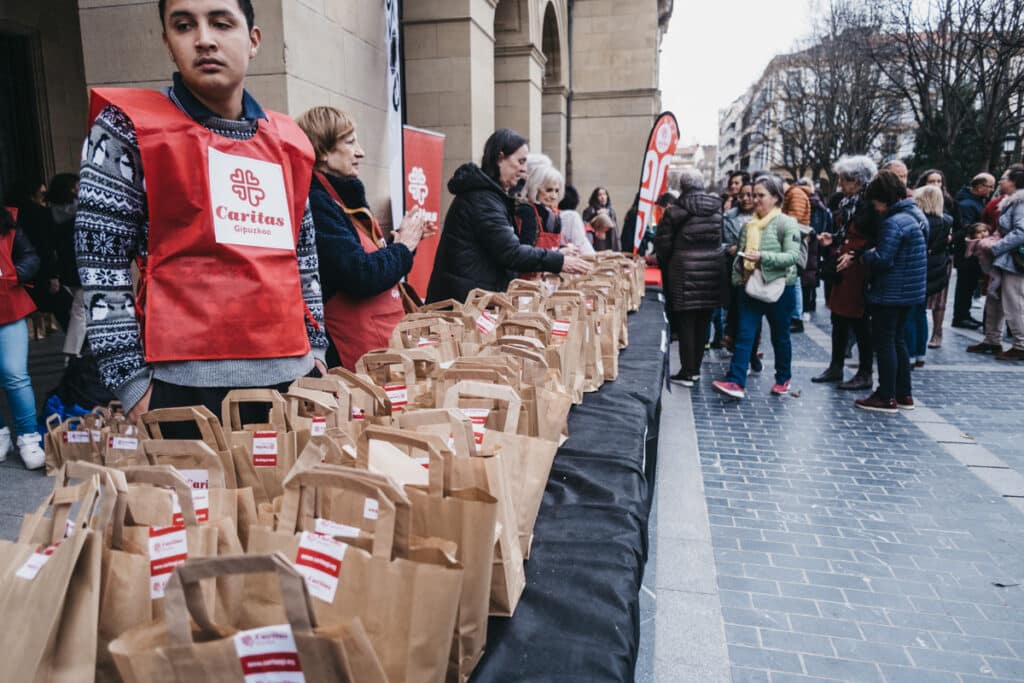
[{"x": 661, "y": 145}]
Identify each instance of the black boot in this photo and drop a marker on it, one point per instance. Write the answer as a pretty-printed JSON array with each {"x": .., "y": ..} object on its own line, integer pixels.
[
  {"x": 831, "y": 374},
  {"x": 858, "y": 382}
]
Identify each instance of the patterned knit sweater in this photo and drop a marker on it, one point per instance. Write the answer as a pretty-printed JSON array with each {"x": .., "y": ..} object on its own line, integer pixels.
[{"x": 112, "y": 228}]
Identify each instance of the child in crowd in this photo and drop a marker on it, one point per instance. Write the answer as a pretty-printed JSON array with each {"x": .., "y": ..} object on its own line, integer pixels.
[{"x": 979, "y": 243}]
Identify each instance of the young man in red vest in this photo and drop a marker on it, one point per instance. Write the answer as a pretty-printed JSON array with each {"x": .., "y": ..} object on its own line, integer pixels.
[{"x": 207, "y": 194}]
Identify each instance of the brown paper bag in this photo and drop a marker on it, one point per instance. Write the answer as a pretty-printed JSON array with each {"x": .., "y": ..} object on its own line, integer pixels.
[
  {"x": 369, "y": 405},
  {"x": 49, "y": 589},
  {"x": 465, "y": 515},
  {"x": 206, "y": 423},
  {"x": 174, "y": 651},
  {"x": 527, "y": 460},
  {"x": 443, "y": 336},
  {"x": 76, "y": 438},
  {"x": 161, "y": 526},
  {"x": 204, "y": 471},
  {"x": 394, "y": 372},
  {"x": 410, "y": 627},
  {"x": 265, "y": 452}
]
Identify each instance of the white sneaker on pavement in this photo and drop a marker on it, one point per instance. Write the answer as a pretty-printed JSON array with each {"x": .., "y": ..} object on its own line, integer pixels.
[
  {"x": 31, "y": 449},
  {"x": 5, "y": 443}
]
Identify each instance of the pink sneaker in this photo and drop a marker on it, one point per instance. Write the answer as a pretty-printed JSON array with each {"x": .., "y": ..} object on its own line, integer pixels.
[
  {"x": 780, "y": 389},
  {"x": 730, "y": 389}
]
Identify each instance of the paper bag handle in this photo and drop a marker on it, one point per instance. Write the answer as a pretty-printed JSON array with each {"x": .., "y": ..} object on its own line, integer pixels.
[
  {"x": 156, "y": 451},
  {"x": 209, "y": 431},
  {"x": 167, "y": 476},
  {"x": 184, "y": 598},
  {"x": 496, "y": 392},
  {"x": 80, "y": 470},
  {"x": 439, "y": 477},
  {"x": 378, "y": 395},
  {"x": 53, "y": 422},
  {"x": 61, "y": 499},
  {"x": 461, "y": 426},
  {"x": 379, "y": 358},
  {"x": 231, "y": 417},
  {"x": 342, "y": 479}
]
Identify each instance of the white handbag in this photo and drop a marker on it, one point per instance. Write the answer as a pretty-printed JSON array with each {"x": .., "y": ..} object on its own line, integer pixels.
[{"x": 768, "y": 292}]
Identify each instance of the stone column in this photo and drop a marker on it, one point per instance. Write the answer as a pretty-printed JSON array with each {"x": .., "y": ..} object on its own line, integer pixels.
[
  {"x": 555, "y": 124},
  {"x": 615, "y": 96},
  {"x": 518, "y": 91},
  {"x": 449, "y": 75}
]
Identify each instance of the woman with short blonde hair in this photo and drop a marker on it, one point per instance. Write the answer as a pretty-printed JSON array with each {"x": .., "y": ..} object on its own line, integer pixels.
[{"x": 359, "y": 271}]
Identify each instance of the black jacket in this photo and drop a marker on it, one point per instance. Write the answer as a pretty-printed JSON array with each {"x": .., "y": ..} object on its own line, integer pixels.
[
  {"x": 344, "y": 265},
  {"x": 939, "y": 230},
  {"x": 25, "y": 258},
  {"x": 689, "y": 248},
  {"x": 478, "y": 245}
]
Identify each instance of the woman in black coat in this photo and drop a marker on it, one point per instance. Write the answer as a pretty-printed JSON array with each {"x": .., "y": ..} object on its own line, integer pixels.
[
  {"x": 479, "y": 246},
  {"x": 689, "y": 248}
]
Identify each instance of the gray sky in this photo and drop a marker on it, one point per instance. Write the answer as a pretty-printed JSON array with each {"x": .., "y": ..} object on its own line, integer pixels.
[{"x": 715, "y": 49}]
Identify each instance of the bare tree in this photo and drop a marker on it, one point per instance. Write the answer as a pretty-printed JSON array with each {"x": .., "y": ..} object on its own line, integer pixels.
[{"x": 958, "y": 65}]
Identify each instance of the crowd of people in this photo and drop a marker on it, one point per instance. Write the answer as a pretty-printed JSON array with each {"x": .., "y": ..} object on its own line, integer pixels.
[
  {"x": 209, "y": 244},
  {"x": 884, "y": 252}
]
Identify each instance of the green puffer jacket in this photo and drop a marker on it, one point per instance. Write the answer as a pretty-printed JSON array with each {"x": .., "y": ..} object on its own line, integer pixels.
[{"x": 777, "y": 259}]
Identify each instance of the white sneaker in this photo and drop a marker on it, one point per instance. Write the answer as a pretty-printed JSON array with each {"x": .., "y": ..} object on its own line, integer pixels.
[
  {"x": 5, "y": 443},
  {"x": 31, "y": 449}
]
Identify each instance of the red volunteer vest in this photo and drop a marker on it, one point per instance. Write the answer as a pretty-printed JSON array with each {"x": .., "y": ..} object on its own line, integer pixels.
[
  {"x": 358, "y": 326},
  {"x": 15, "y": 303},
  {"x": 222, "y": 278}
]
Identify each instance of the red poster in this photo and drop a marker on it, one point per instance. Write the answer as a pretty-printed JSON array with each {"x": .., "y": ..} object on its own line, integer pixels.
[
  {"x": 661, "y": 145},
  {"x": 424, "y": 159}
]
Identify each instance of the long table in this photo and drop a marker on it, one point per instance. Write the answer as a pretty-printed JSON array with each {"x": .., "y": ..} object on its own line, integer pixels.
[{"x": 579, "y": 616}]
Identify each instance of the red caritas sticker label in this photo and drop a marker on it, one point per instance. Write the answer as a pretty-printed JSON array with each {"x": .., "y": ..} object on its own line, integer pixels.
[
  {"x": 358, "y": 414},
  {"x": 487, "y": 322},
  {"x": 478, "y": 416},
  {"x": 423, "y": 342},
  {"x": 319, "y": 561},
  {"x": 34, "y": 563},
  {"x": 123, "y": 443},
  {"x": 319, "y": 426},
  {"x": 398, "y": 394},
  {"x": 560, "y": 328},
  {"x": 264, "y": 449},
  {"x": 269, "y": 655},
  {"x": 199, "y": 480},
  {"x": 77, "y": 436},
  {"x": 168, "y": 547},
  {"x": 328, "y": 527}
]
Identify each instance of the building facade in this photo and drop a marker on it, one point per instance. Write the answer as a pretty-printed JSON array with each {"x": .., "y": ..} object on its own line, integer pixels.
[{"x": 579, "y": 78}]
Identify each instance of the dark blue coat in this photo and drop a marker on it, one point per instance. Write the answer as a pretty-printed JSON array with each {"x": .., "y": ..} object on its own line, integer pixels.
[
  {"x": 899, "y": 264},
  {"x": 344, "y": 265}
]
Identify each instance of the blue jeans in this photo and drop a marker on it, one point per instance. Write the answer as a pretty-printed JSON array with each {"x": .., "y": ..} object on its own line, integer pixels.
[
  {"x": 917, "y": 331},
  {"x": 750, "y": 313},
  {"x": 798, "y": 304},
  {"x": 888, "y": 333},
  {"x": 14, "y": 375}
]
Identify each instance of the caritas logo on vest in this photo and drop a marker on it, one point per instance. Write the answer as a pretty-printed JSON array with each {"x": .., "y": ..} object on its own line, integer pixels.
[{"x": 250, "y": 205}]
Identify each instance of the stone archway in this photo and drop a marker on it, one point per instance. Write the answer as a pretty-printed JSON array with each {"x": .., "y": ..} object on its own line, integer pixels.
[{"x": 555, "y": 99}]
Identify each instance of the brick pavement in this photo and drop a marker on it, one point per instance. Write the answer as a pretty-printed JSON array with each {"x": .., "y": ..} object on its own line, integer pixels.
[{"x": 851, "y": 545}]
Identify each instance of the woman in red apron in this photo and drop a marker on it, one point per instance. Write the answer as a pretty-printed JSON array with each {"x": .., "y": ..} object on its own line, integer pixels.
[
  {"x": 537, "y": 220},
  {"x": 18, "y": 264},
  {"x": 359, "y": 271}
]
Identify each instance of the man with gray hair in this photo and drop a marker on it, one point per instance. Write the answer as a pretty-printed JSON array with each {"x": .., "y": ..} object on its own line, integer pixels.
[
  {"x": 897, "y": 167},
  {"x": 971, "y": 200},
  {"x": 688, "y": 244}
]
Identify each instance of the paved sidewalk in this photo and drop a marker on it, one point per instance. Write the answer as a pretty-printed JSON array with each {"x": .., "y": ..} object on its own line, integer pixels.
[{"x": 849, "y": 545}]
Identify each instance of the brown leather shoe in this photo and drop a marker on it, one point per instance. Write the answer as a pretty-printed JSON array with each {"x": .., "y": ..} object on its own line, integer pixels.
[
  {"x": 878, "y": 405},
  {"x": 984, "y": 347},
  {"x": 1012, "y": 354},
  {"x": 857, "y": 383}
]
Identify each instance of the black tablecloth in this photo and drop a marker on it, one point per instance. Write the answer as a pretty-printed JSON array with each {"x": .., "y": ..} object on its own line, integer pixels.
[{"x": 579, "y": 616}]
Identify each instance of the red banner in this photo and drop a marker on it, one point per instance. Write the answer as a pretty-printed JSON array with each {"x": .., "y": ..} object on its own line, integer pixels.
[
  {"x": 661, "y": 145},
  {"x": 424, "y": 160}
]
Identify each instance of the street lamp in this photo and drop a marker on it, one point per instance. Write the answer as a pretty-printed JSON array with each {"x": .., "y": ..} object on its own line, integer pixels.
[{"x": 1009, "y": 148}]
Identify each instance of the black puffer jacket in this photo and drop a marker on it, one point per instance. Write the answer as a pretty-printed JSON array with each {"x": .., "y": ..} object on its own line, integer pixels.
[
  {"x": 939, "y": 230},
  {"x": 479, "y": 246},
  {"x": 689, "y": 247}
]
